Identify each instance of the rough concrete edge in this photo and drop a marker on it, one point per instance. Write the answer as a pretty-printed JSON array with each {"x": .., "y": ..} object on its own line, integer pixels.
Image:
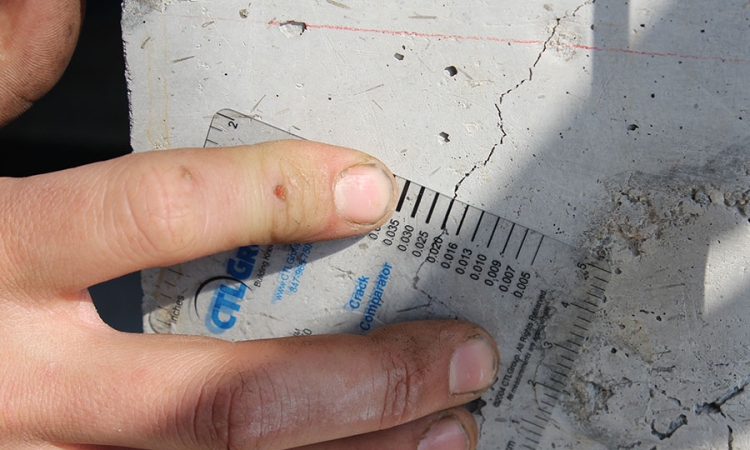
[{"x": 132, "y": 13}]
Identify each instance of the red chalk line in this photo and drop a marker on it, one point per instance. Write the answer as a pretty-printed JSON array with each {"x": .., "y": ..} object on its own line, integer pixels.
[{"x": 460, "y": 37}]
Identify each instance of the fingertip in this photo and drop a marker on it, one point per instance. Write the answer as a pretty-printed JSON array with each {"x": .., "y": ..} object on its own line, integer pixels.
[
  {"x": 467, "y": 423},
  {"x": 454, "y": 429},
  {"x": 365, "y": 194},
  {"x": 319, "y": 191},
  {"x": 474, "y": 365},
  {"x": 472, "y": 357}
]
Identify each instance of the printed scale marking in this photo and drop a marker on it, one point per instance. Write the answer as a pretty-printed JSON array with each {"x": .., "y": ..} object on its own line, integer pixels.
[{"x": 436, "y": 257}]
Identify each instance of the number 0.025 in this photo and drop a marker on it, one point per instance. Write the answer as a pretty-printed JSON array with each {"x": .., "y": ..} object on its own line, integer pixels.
[{"x": 420, "y": 244}]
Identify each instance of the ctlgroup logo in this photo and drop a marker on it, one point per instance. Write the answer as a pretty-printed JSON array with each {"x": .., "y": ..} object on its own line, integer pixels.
[{"x": 221, "y": 296}]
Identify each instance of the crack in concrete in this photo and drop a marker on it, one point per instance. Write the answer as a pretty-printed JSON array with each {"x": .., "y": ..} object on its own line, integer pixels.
[
  {"x": 344, "y": 273},
  {"x": 715, "y": 406},
  {"x": 475, "y": 408},
  {"x": 476, "y": 166},
  {"x": 415, "y": 280},
  {"x": 430, "y": 298},
  {"x": 575, "y": 11},
  {"x": 545, "y": 45},
  {"x": 673, "y": 426},
  {"x": 730, "y": 438},
  {"x": 501, "y": 122}
]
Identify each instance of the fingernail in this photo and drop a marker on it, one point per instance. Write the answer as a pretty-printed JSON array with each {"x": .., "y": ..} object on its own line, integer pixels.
[
  {"x": 473, "y": 366},
  {"x": 363, "y": 194},
  {"x": 445, "y": 434}
]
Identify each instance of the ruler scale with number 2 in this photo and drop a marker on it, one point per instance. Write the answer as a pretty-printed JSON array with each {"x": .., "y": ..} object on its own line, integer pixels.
[{"x": 436, "y": 257}]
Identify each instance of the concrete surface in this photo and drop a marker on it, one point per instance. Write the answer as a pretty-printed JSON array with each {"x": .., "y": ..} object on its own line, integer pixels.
[{"x": 618, "y": 126}]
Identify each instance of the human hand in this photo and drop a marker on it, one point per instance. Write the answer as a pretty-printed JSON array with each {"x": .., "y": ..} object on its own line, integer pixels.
[{"x": 69, "y": 381}]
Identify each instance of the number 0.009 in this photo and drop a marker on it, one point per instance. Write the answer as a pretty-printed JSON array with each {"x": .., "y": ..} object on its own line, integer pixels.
[{"x": 492, "y": 273}]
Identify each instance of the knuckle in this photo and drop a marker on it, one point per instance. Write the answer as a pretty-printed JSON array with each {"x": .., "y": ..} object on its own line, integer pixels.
[
  {"x": 218, "y": 407},
  {"x": 165, "y": 207},
  {"x": 239, "y": 411},
  {"x": 405, "y": 380}
]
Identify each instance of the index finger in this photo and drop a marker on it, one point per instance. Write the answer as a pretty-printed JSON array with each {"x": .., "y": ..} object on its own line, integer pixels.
[{"x": 69, "y": 230}]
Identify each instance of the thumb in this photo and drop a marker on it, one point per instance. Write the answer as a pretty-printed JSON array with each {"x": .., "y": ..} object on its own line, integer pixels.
[
  {"x": 37, "y": 39},
  {"x": 171, "y": 392}
]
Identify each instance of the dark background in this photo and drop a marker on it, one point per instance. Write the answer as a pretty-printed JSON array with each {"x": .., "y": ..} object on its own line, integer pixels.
[{"x": 82, "y": 120}]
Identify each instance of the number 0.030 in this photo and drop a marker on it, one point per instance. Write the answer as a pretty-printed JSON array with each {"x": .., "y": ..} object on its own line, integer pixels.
[{"x": 405, "y": 238}]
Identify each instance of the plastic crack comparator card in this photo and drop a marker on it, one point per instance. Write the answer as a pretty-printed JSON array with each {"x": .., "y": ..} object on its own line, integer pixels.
[{"x": 435, "y": 258}]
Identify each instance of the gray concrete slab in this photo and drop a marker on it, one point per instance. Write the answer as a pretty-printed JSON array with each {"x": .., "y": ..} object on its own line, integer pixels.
[{"x": 618, "y": 126}]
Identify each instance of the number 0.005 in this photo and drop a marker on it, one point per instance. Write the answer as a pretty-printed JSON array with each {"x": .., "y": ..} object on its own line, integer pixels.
[{"x": 522, "y": 284}]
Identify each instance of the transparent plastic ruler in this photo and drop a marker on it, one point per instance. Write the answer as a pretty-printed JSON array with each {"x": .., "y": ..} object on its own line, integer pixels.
[{"x": 435, "y": 258}]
